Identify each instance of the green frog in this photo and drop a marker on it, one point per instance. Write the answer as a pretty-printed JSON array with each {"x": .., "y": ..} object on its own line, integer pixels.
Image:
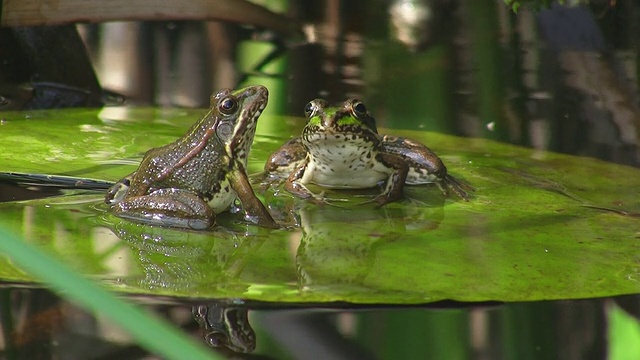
[
  {"x": 185, "y": 183},
  {"x": 340, "y": 148}
]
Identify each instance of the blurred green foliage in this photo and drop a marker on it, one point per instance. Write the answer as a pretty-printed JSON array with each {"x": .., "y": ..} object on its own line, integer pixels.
[
  {"x": 539, "y": 4},
  {"x": 624, "y": 334}
]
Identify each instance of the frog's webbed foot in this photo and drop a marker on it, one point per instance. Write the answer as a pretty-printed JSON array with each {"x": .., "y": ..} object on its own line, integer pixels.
[
  {"x": 449, "y": 182},
  {"x": 167, "y": 207},
  {"x": 301, "y": 191},
  {"x": 383, "y": 199},
  {"x": 267, "y": 180},
  {"x": 320, "y": 199}
]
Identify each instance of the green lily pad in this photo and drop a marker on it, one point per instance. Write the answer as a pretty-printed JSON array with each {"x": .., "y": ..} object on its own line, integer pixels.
[{"x": 539, "y": 225}]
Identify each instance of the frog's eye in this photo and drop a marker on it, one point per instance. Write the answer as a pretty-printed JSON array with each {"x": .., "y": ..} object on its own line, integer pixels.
[
  {"x": 228, "y": 105},
  {"x": 310, "y": 108},
  {"x": 313, "y": 107},
  {"x": 359, "y": 109}
]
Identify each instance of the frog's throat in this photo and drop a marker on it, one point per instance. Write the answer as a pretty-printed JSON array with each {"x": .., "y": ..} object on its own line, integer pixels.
[
  {"x": 342, "y": 135},
  {"x": 245, "y": 128}
]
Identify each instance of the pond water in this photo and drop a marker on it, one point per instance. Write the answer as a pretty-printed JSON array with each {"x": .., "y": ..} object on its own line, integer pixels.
[
  {"x": 530, "y": 268},
  {"x": 50, "y": 327}
]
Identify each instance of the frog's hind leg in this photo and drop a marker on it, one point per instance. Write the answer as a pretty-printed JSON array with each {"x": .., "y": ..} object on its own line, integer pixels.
[
  {"x": 458, "y": 187},
  {"x": 167, "y": 207}
]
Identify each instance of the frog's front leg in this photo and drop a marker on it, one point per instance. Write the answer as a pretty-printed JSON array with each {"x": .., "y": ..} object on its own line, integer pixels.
[
  {"x": 253, "y": 207},
  {"x": 287, "y": 158},
  {"x": 395, "y": 182},
  {"x": 282, "y": 162},
  {"x": 167, "y": 207},
  {"x": 295, "y": 184}
]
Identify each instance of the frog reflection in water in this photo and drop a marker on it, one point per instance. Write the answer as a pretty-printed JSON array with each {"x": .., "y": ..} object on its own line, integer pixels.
[
  {"x": 226, "y": 326},
  {"x": 185, "y": 183},
  {"x": 340, "y": 148}
]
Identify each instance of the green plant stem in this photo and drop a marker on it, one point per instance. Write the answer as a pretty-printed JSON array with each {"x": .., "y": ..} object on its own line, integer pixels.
[{"x": 152, "y": 333}]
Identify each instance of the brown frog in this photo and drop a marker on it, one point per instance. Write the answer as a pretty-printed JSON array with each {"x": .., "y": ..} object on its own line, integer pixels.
[{"x": 185, "y": 183}]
